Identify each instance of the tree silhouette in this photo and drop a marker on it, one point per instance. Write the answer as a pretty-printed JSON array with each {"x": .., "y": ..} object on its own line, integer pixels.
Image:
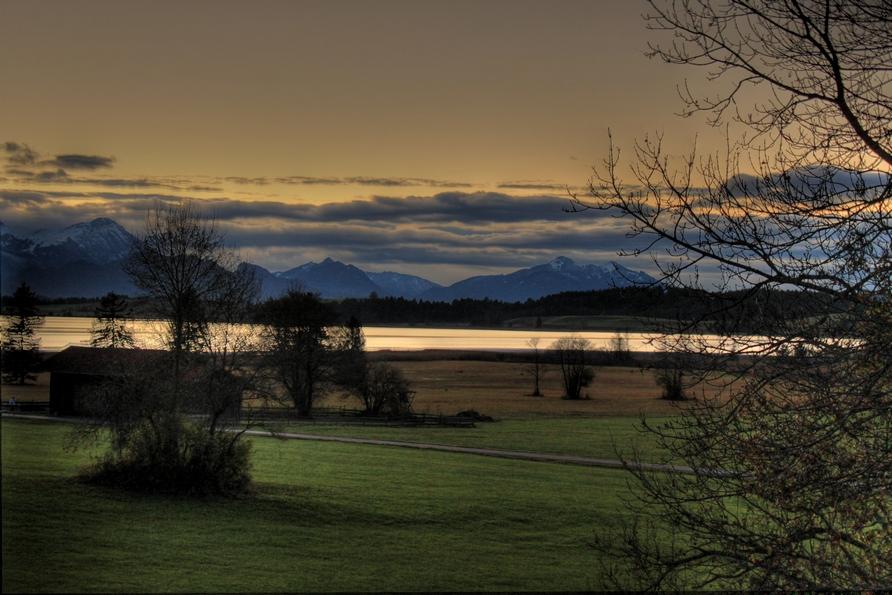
[
  {"x": 573, "y": 355},
  {"x": 20, "y": 344},
  {"x": 793, "y": 461},
  {"x": 296, "y": 335},
  {"x": 109, "y": 329}
]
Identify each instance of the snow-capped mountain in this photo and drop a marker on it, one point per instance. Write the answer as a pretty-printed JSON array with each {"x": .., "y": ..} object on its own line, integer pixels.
[
  {"x": 85, "y": 260},
  {"x": 79, "y": 260},
  {"x": 98, "y": 241},
  {"x": 561, "y": 274}
]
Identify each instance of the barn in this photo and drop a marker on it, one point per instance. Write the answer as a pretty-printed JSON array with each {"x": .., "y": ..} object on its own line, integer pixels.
[{"x": 76, "y": 370}]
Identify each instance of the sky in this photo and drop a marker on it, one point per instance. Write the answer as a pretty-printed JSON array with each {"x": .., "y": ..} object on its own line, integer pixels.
[{"x": 432, "y": 138}]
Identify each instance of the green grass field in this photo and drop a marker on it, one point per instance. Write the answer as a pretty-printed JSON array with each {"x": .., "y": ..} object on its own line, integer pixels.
[
  {"x": 324, "y": 517},
  {"x": 598, "y": 437}
]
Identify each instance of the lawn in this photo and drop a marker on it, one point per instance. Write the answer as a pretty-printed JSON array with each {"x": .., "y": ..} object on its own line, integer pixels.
[{"x": 325, "y": 516}]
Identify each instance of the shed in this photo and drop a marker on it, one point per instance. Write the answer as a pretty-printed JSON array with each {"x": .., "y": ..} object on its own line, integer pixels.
[{"x": 76, "y": 369}]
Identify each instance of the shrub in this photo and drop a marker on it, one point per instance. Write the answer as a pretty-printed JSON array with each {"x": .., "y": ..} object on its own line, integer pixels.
[
  {"x": 671, "y": 380},
  {"x": 176, "y": 457},
  {"x": 386, "y": 391},
  {"x": 574, "y": 355}
]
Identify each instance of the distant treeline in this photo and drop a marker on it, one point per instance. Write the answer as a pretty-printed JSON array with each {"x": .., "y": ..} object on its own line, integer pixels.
[{"x": 650, "y": 302}]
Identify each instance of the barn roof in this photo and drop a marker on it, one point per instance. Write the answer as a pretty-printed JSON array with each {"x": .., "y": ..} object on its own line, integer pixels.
[{"x": 101, "y": 360}]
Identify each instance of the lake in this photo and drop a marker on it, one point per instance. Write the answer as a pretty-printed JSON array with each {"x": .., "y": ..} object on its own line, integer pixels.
[{"x": 59, "y": 332}]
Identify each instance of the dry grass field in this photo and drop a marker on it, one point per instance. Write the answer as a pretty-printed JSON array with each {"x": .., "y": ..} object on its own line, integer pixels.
[{"x": 502, "y": 389}]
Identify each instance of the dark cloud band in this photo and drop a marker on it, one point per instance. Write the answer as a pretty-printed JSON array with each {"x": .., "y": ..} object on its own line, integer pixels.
[{"x": 83, "y": 162}]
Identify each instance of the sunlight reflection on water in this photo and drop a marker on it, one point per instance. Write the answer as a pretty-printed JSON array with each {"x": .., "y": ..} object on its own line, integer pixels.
[{"x": 58, "y": 332}]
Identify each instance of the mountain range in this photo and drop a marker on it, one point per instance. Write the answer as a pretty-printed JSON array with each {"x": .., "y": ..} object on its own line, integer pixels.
[
  {"x": 80, "y": 260},
  {"x": 85, "y": 260}
]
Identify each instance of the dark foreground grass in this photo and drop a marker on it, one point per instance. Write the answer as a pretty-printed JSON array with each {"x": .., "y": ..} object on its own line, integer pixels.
[
  {"x": 324, "y": 517},
  {"x": 597, "y": 437}
]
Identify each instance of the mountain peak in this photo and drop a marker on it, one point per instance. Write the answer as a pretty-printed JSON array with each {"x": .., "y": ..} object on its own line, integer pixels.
[
  {"x": 101, "y": 240},
  {"x": 561, "y": 262},
  {"x": 103, "y": 222},
  {"x": 556, "y": 276}
]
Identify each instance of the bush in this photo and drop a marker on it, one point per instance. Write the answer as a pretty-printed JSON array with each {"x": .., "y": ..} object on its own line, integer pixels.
[
  {"x": 386, "y": 391},
  {"x": 176, "y": 457},
  {"x": 573, "y": 354},
  {"x": 672, "y": 382}
]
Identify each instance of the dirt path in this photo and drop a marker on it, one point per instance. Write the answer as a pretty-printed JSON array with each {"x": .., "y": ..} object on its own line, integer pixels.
[{"x": 486, "y": 452}]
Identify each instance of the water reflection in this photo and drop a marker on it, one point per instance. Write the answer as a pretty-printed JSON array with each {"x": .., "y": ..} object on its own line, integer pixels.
[{"x": 58, "y": 332}]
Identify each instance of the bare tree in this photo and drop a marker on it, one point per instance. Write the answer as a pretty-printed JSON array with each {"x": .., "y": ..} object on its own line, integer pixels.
[
  {"x": 229, "y": 368},
  {"x": 386, "y": 391},
  {"x": 793, "y": 460},
  {"x": 295, "y": 340},
  {"x": 109, "y": 328},
  {"x": 670, "y": 377},
  {"x": 573, "y": 354},
  {"x": 620, "y": 351},
  {"x": 182, "y": 262},
  {"x": 350, "y": 366},
  {"x": 165, "y": 409},
  {"x": 536, "y": 366}
]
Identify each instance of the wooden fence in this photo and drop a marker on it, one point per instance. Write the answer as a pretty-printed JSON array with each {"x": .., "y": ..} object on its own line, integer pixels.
[{"x": 27, "y": 406}]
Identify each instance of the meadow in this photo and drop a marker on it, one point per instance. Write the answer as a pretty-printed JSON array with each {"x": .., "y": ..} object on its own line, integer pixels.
[
  {"x": 323, "y": 517},
  {"x": 343, "y": 517}
]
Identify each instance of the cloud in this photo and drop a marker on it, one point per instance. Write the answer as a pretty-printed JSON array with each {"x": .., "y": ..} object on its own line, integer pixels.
[
  {"x": 534, "y": 185},
  {"x": 59, "y": 175},
  {"x": 451, "y": 228},
  {"x": 351, "y": 180},
  {"x": 364, "y": 181},
  {"x": 78, "y": 161},
  {"x": 450, "y": 207},
  {"x": 17, "y": 198},
  {"x": 246, "y": 181},
  {"x": 448, "y": 228},
  {"x": 445, "y": 207},
  {"x": 445, "y": 210},
  {"x": 20, "y": 153},
  {"x": 26, "y": 163},
  {"x": 806, "y": 182}
]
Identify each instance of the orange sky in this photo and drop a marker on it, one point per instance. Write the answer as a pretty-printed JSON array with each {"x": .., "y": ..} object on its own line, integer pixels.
[
  {"x": 474, "y": 91},
  {"x": 299, "y": 102}
]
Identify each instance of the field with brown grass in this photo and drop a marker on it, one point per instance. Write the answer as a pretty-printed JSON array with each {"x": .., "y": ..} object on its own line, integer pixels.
[
  {"x": 502, "y": 389},
  {"x": 499, "y": 389}
]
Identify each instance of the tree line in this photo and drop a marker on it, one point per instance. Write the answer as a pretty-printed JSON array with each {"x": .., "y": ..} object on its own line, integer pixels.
[{"x": 720, "y": 309}]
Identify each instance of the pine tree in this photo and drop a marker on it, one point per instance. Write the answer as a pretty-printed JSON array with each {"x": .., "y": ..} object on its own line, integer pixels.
[
  {"x": 20, "y": 344},
  {"x": 109, "y": 329}
]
